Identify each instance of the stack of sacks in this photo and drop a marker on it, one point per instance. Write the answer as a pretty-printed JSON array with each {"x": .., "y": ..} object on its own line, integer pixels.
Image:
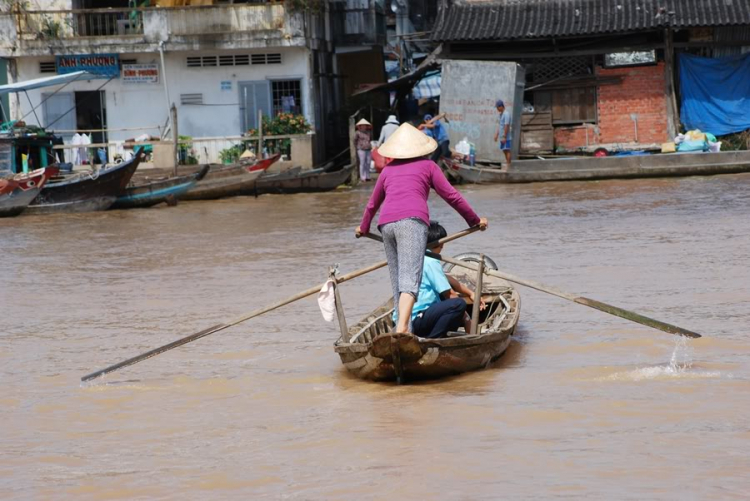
[{"x": 695, "y": 140}]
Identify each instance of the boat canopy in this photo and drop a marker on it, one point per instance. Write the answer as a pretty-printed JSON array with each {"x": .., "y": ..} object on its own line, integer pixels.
[{"x": 39, "y": 83}]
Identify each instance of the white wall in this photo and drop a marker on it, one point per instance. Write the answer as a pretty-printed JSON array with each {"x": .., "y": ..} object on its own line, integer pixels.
[{"x": 142, "y": 105}]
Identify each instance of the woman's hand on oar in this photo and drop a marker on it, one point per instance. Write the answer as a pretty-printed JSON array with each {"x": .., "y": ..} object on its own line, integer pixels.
[
  {"x": 358, "y": 232},
  {"x": 483, "y": 223}
]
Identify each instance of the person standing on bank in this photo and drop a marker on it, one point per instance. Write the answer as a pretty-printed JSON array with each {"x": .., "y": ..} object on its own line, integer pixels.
[
  {"x": 401, "y": 193},
  {"x": 503, "y": 130},
  {"x": 362, "y": 139},
  {"x": 391, "y": 124}
]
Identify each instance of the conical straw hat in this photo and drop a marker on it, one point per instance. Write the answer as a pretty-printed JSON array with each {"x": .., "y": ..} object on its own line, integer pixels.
[
  {"x": 408, "y": 142},
  {"x": 363, "y": 122}
]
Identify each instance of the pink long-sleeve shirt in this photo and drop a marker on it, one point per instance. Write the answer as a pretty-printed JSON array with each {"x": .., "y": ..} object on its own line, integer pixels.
[{"x": 402, "y": 190}]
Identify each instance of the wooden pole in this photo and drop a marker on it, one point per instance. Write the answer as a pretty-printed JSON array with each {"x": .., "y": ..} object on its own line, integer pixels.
[
  {"x": 271, "y": 307},
  {"x": 673, "y": 111},
  {"x": 260, "y": 134},
  {"x": 477, "y": 298},
  {"x": 339, "y": 306},
  {"x": 175, "y": 138},
  {"x": 353, "y": 150}
]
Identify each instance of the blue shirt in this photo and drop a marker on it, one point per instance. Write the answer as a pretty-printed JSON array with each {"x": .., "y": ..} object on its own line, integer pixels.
[
  {"x": 438, "y": 133},
  {"x": 434, "y": 282},
  {"x": 504, "y": 120}
]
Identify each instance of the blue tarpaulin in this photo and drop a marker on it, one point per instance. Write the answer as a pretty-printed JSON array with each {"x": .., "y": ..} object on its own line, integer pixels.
[{"x": 715, "y": 93}]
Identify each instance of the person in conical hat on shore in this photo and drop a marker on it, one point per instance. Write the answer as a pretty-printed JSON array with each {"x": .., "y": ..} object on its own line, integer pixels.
[
  {"x": 362, "y": 140},
  {"x": 401, "y": 195}
]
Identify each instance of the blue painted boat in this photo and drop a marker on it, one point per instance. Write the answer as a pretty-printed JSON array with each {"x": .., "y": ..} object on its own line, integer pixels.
[{"x": 167, "y": 190}]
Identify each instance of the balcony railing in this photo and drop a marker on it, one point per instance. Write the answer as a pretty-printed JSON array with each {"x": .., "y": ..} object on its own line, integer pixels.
[
  {"x": 62, "y": 24},
  {"x": 149, "y": 23}
]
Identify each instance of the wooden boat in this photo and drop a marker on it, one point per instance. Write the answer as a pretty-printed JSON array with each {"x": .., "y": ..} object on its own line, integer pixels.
[
  {"x": 297, "y": 180},
  {"x": 229, "y": 180},
  {"x": 611, "y": 167},
  {"x": 18, "y": 191},
  {"x": 85, "y": 191},
  {"x": 152, "y": 192},
  {"x": 376, "y": 353}
]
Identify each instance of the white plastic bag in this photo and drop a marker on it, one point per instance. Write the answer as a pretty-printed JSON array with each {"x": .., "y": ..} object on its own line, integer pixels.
[{"x": 463, "y": 147}]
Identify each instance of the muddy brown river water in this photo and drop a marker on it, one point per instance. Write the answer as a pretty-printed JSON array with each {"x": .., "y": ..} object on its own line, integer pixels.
[{"x": 582, "y": 406}]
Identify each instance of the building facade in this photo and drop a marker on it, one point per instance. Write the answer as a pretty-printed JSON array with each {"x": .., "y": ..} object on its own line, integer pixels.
[
  {"x": 218, "y": 64},
  {"x": 600, "y": 75}
]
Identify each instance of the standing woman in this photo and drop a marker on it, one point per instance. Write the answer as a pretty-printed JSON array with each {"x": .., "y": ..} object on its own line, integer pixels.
[
  {"x": 362, "y": 139},
  {"x": 401, "y": 193}
]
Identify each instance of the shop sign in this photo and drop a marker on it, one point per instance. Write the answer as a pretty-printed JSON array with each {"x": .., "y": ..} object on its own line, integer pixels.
[
  {"x": 140, "y": 73},
  {"x": 103, "y": 65}
]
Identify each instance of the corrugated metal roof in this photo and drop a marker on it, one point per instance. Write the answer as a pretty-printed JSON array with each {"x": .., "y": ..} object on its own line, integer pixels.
[{"x": 516, "y": 19}]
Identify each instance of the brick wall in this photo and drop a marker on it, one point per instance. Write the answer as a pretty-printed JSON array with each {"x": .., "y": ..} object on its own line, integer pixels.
[{"x": 642, "y": 91}]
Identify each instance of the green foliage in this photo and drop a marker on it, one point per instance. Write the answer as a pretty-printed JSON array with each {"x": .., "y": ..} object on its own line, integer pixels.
[
  {"x": 232, "y": 154},
  {"x": 281, "y": 125}
]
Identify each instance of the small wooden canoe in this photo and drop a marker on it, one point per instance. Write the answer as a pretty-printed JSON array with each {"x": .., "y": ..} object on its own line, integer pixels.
[
  {"x": 152, "y": 192},
  {"x": 376, "y": 353},
  {"x": 229, "y": 180},
  {"x": 85, "y": 191},
  {"x": 17, "y": 192},
  {"x": 297, "y": 180}
]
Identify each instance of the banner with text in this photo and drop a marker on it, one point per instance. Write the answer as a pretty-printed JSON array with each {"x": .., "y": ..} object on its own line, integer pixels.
[
  {"x": 102, "y": 65},
  {"x": 140, "y": 73}
]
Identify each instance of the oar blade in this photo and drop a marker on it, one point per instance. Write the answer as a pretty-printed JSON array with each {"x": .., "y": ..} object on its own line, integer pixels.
[{"x": 636, "y": 317}]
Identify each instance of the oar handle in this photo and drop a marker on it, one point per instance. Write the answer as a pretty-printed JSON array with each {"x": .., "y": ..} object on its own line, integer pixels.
[{"x": 449, "y": 238}]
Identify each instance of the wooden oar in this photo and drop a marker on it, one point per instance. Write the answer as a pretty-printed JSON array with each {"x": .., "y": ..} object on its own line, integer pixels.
[
  {"x": 592, "y": 303},
  {"x": 279, "y": 304}
]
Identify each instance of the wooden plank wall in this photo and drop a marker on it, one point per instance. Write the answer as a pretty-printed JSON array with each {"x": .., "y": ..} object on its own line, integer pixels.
[{"x": 537, "y": 134}]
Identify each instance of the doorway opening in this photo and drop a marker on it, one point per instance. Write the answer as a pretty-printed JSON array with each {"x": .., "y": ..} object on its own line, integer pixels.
[{"x": 91, "y": 115}]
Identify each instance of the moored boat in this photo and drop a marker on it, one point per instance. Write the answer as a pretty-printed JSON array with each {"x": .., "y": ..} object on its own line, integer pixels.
[
  {"x": 374, "y": 352},
  {"x": 229, "y": 180},
  {"x": 303, "y": 181},
  {"x": 152, "y": 192},
  {"x": 85, "y": 191},
  {"x": 17, "y": 192}
]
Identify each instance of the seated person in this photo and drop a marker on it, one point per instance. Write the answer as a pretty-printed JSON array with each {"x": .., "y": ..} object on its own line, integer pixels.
[{"x": 435, "y": 312}]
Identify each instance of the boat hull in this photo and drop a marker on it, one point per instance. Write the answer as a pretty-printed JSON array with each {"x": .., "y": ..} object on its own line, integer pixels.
[
  {"x": 85, "y": 192},
  {"x": 22, "y": 189},
  {"x": 423, "y": 358},
  {"x": 373, "y": 352},
  {"x": 16, "y": 202},
  {"x": 153, "y": 193},
  {"x": 302, "y": 182},
  {"x": 229, "y": 181}
]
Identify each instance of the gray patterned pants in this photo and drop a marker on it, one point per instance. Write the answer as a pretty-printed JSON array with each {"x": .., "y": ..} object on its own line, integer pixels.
[{"x": 405, "y": 242}]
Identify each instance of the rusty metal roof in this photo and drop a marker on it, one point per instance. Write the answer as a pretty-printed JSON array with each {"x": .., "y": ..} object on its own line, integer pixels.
[{"x": 528, "y": 19}]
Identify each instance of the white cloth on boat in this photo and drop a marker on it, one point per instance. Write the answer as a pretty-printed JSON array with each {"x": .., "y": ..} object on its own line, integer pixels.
[
  {"x": 327, "y": 300},
  {"x": 84, "y": 152},
  {"x": 75, "y": 141}
]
